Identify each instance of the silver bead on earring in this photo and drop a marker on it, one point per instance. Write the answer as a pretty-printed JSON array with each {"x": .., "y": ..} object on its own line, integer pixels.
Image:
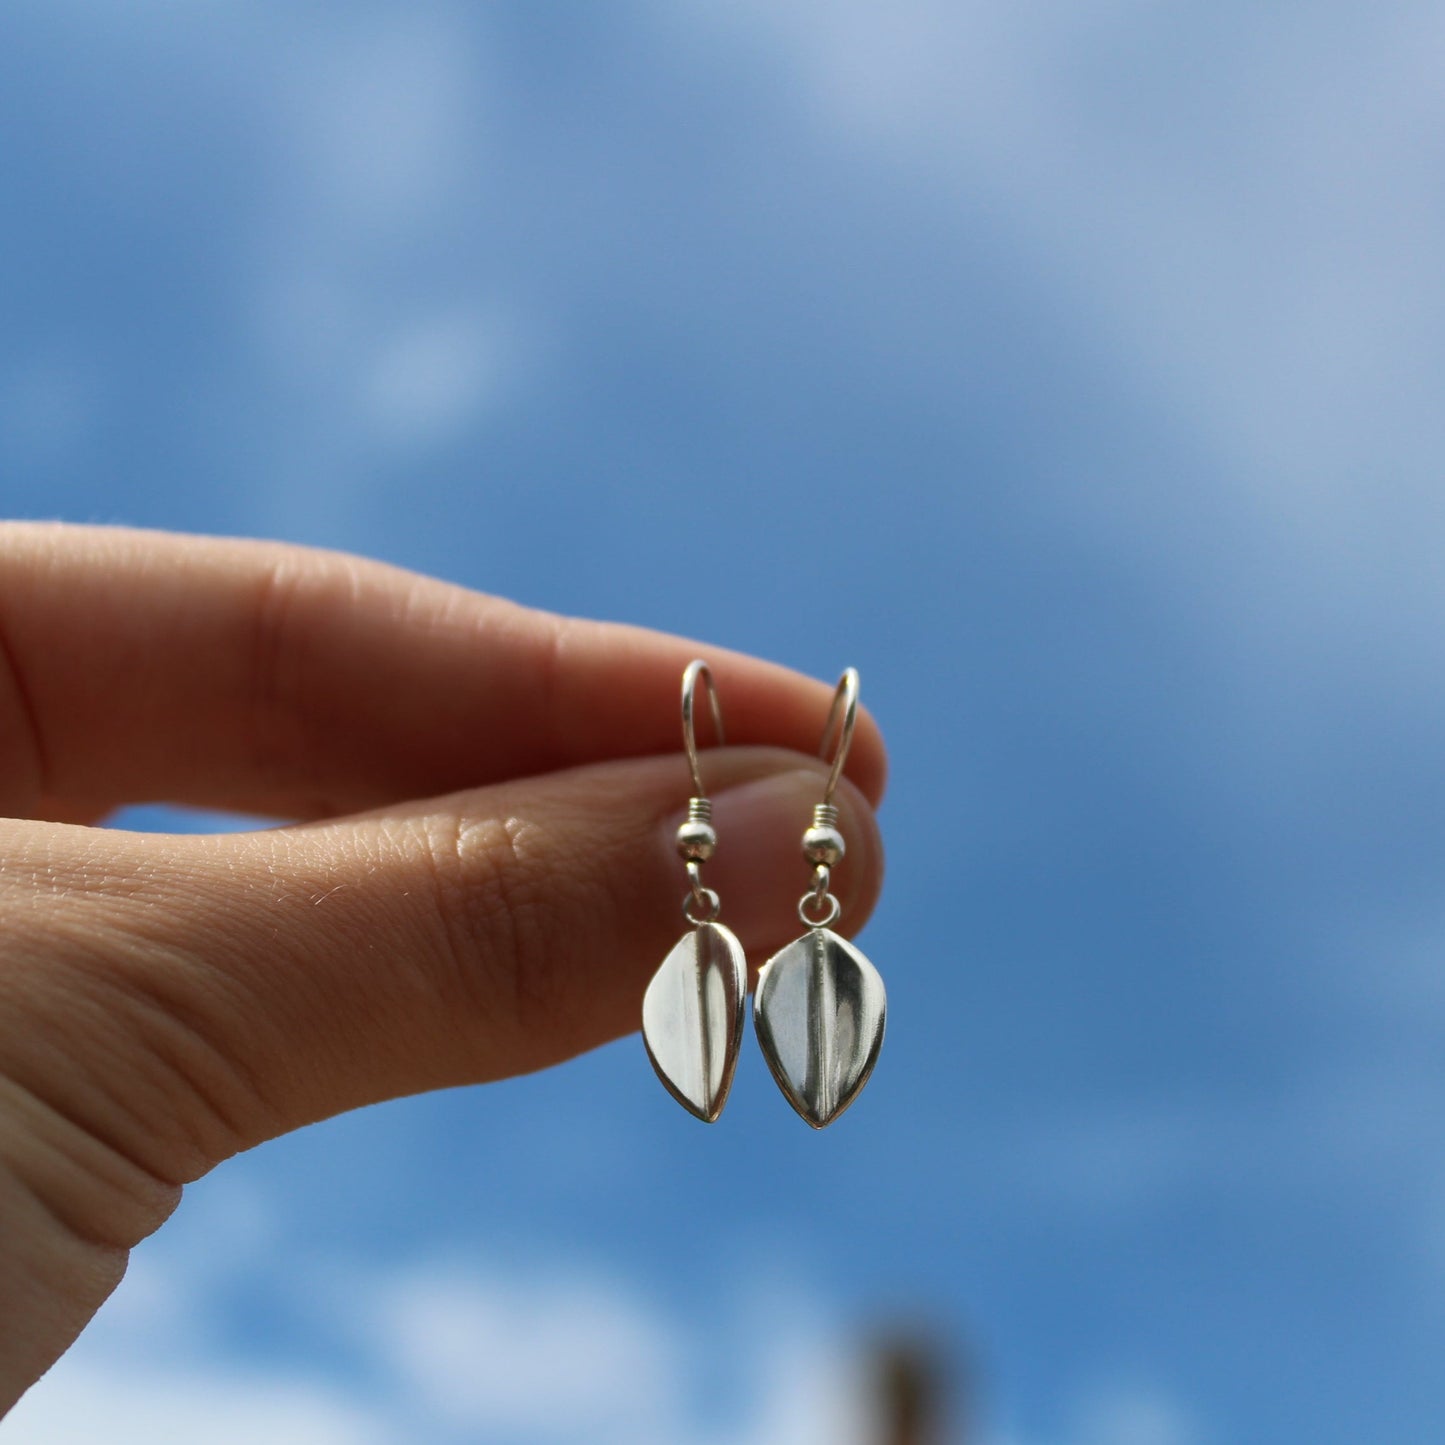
[
  {"x": 692, "y": 1012},
  {"x": 820, "y": 1006}
]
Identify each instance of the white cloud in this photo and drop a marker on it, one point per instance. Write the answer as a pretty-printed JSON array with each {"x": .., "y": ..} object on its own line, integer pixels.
[
  {"x": 1133, "y": 1415},
  {"x": 155, "y": 1405},
  {"x": 434, "y": 1349},
  {"x": 380, "y": 120},
  {"x": 1339, "y": 1139},
  {"x": 372, "y": 314},
  {"x": 545, "y": 1357},
  {"x": 1247, "y": 231},
  {"x": 1256, "y": 223},
  {"x": 434, "y": 377},
  {"x": 1118, "y": 1413}
]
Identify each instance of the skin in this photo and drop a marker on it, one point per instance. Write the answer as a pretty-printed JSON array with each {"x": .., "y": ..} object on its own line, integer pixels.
[{"x": 467, "y": 778}]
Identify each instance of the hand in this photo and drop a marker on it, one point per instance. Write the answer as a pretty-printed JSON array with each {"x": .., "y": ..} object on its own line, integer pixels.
[{"x": 168, "y": 1001}]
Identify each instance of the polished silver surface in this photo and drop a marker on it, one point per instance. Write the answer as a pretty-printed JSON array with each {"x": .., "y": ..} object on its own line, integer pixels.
[
  {"x": 823, "y": 843},
  {"x": 696, "y": 839},
  {"x": 819, "y": 1011},
  {"x": 692, "y": 1018}
]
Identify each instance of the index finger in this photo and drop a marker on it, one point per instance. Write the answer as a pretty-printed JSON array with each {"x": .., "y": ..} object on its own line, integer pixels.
[{"x": 275, "y": 679}]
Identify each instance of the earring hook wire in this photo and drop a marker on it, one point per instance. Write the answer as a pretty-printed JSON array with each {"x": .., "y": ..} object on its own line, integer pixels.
[
  {"x": 842, "y": 715},
  {"x": 698, "y": 671}
]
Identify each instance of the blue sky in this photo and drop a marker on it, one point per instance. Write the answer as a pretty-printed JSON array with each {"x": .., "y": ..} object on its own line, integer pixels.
[{"x": 1072, "y": 371}]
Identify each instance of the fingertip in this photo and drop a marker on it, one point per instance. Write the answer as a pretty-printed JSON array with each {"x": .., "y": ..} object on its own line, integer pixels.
[
  {"x": 859, "y": 877},
  {"x": 867, "y": 764}
]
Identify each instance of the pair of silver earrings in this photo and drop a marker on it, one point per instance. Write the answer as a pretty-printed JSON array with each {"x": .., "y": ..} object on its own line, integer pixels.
[{"x": 820, "y": 1005}]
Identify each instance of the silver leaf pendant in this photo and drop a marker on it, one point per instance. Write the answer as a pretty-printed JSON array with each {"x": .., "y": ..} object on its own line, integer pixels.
[
  {"x": 692, "y": 1018},
  {"x": 819, "y": 1011}
]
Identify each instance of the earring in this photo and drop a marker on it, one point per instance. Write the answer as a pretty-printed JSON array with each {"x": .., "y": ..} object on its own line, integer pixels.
[
  {"x": 820, "y": 1005},
  {"x": 692, "y": 1012}
]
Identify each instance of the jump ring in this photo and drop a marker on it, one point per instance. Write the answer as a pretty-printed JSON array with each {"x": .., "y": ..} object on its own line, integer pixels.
[
  {"x": 708, "y": 904},
  {"x": 834, "y": 908}
]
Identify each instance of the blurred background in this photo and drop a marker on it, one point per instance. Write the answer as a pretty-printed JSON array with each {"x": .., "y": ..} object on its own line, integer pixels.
[{"x": 1075, "y": 371}]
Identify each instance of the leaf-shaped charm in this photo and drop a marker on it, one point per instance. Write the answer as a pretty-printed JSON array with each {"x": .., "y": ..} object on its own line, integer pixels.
[
  {"x": 819, "y": 1012},
  {"x": 692, "y": 1018}
]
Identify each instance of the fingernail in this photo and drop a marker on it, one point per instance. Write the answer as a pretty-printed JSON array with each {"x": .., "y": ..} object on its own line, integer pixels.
[{"x": 758, "y": 870}]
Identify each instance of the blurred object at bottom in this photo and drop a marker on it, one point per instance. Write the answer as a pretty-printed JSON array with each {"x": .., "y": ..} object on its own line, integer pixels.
[{"x": 918, "y": 1389}]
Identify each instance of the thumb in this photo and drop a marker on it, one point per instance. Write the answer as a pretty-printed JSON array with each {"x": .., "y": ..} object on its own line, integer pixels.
[{"x": 217, "y": 991}]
